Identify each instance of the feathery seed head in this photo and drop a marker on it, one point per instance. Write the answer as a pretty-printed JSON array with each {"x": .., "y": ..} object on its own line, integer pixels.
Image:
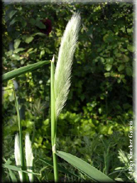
[
  {"x": 29, "y": 156},
  {"x": 64, "y": 63},
  {"x": 17, "y": 150},
  {"x": 17, "y": 154}
]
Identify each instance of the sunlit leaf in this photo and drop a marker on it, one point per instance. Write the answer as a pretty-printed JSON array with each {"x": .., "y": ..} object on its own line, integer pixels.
[
  {"x": 16, "y": 43},
  {"x": 12, "y": 13},
  {"x": 121, "y": 67},
  {"x": 12, "y": 176},
  {"x": 84, "y": 167},
  {"x": 22, "y": 70},
  {"x": 29, "y": 39}
]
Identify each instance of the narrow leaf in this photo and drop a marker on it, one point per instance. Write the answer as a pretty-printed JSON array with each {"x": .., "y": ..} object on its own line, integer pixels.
[
  {"x": 12, "y": 176},
  {"x": 22, "y": 70},
  {"x": 15, "y": 168},
  {"x": 12, "y": 167},
  {"x": 12, "y": 13},
  {"x": 84, "y": 167},
  {"x": 13, "y": 21},
  {"x": 38, "y": 33}
]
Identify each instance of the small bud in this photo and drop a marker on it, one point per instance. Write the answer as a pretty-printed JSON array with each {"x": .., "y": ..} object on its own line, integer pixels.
[{"x": 53, "y": 59}]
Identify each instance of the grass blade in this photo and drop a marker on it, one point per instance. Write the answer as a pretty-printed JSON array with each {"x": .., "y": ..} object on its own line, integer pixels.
[
  {"x": 22, "y": 70},
  {"x": 15, "y": 168},
  {"x": 12, "y": 176},
  {"x": 84, "y": 167},
  {"x": 12, "y": 167}
]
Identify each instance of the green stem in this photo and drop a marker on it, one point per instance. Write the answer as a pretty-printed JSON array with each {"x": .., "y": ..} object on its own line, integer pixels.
[
  {"x": 34, "y": 130},
  {"x": 20, "y": 137},
  {"x": 53, "y": 123}
]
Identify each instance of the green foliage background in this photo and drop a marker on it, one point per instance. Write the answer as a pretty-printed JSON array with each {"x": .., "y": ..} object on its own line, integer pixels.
[{"x": 94, "y": 124}]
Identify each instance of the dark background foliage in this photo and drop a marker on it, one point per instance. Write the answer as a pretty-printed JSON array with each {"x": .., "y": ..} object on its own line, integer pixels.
[{"x": 94, "y": 124}]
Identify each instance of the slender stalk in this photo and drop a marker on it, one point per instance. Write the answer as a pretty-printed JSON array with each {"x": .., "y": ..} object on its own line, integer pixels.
[
  {"x": 34, "y": 130},
  {"x": 20, "y": 138},
  {"x": 53, "y": 123},
  {"x": 60, "y": 82}
]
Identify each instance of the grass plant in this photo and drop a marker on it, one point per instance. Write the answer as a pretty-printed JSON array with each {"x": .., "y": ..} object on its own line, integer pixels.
[
  {"x": 19, "y": 150},
  {"x": 19, "y": 143},
  {"x": 60, "y": 85},
  {"x": 60, "y": 79}
]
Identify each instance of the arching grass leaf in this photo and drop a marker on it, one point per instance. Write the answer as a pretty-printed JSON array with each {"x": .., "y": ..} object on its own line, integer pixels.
[
  {"x": 22, "y": 70},
  {"x": 84, "y": 167}
]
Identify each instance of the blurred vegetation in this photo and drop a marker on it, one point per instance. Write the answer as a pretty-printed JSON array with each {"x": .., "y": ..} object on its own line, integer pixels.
[{"x": 94, "y": 124}]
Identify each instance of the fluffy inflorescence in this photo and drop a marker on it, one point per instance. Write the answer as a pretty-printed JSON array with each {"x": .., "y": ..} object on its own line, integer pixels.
[
  {"x": 29, "y": 156},
  {"x": 64, "y": 63},
  {"x": 17, "y": 154}
]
